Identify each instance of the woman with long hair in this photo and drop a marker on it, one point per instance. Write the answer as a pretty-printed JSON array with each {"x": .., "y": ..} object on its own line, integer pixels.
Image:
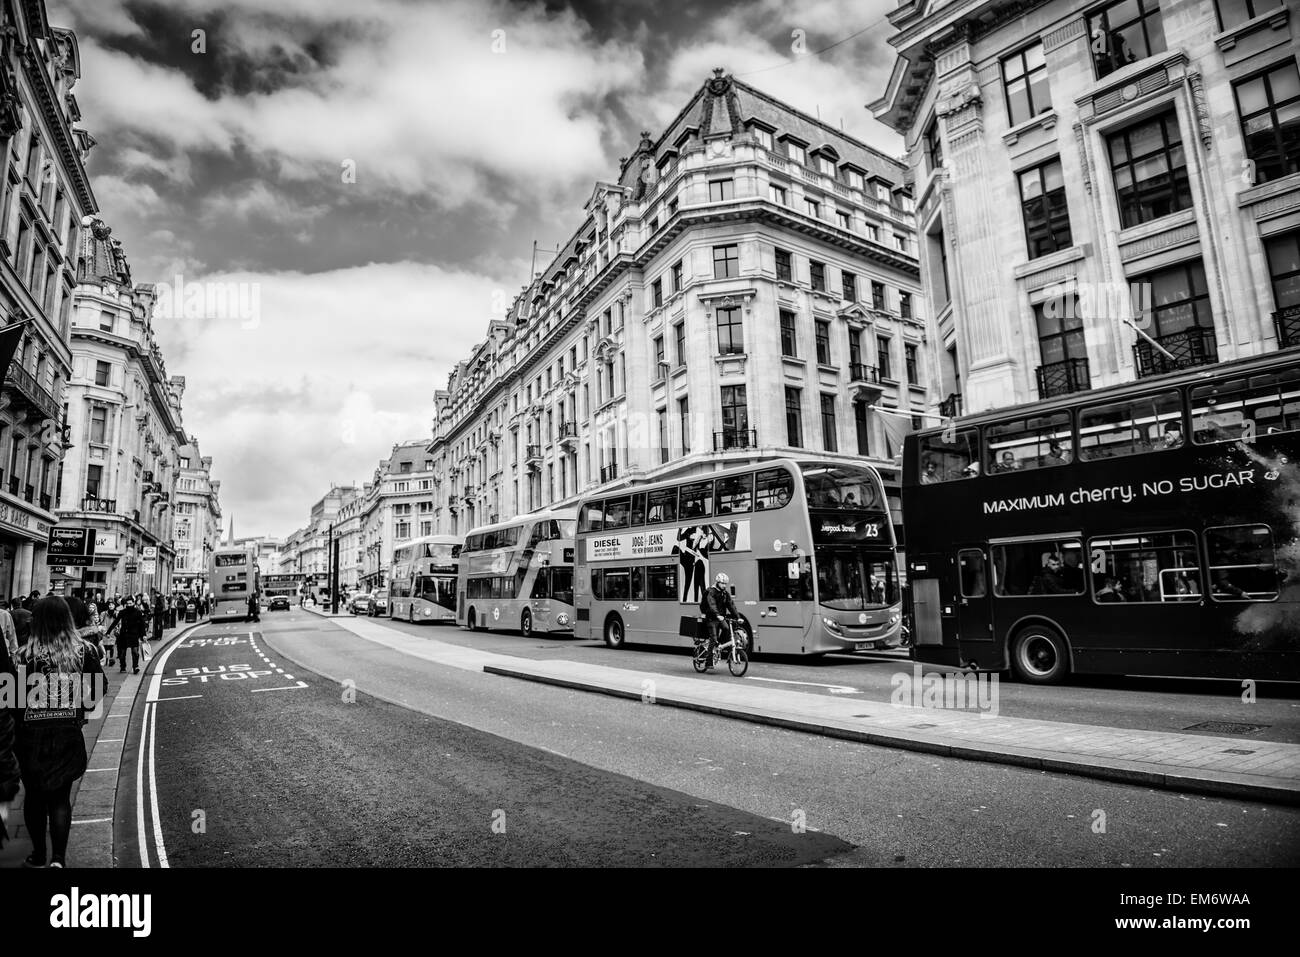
[{"x": 51, "y": 751}]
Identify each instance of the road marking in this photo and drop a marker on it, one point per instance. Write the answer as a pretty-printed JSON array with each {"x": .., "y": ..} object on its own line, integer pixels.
[
  {"x": 93, "y": 770},
  {"x": 300, "y": 684},
  {"x": 834, "y": 689},
  {"x": 153, "y": 788},
  {"x": 181, "y": 697},
  {"x": 139, "y": 792},
  {"x": 110, "y": 740},
  {"x": 93, "y": 820}
]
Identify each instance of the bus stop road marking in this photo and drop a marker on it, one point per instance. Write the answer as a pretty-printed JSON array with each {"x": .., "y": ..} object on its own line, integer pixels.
[
  {"x": 294, "y": 687},
  {"x": 834, "y": 689}
]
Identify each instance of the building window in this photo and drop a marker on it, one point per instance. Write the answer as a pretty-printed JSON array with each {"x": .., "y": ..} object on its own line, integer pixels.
[
  {"x": 1123, "y": 33},
  {"x": 814, "y": 208},
  {"x": 1233, "y": 13},
  {"x": 909, "y": 361},
  {"x": 777, "y": 194},
  {"x": 828, "y": 423},
  {"x": 731, "y": 337},
  {"x": 796, "y": 153},
  {"x": 1045, "y": 211},
  {"x": 860, "y": 427},
  {"x": 873, "y": 233},
  {"x": 101, "y": 373},
  {"x": 789, "y": 342},
  {"x": 882, "y": 357},
  {"x": 763, "y": 136},
  {"x": 855, "y": 351},
  {"x": 1024, "y": 78},
  {"x": 793, "y": 417},
  {"x": 735, "y": 410},
  {"x": 933, "y": 145},
  {"x": 783, "y": 271},
  {"x": 94, "y": 477},
  {"x": 677, "y": 276},
  {"x": 1269, "y": 106},
  {"x": 1060, "y": 331},
  {"x": 905, "y": 304},
  {"x": 98, "y": 424},
  {"x": 726, "y": 262},
  {"x": 684, "y": 421},
  {"x": 1284, "y": 268},
  {"x": 817, "y": 272},
  {"x": 657, "y": 293},
  {"x": 661, "y": 364},
  {"x": 878, "y": 296},
  {"x": 823, "y": 343},
  {"x": 1180, "y": 299},
  {"x": 679, "y": 343},
  {"x": 106, "y": 321},
  {"x": 1150, "y": 170},
  {"x": 849, "y": 286},
  {"x": 721, "y": 189}
]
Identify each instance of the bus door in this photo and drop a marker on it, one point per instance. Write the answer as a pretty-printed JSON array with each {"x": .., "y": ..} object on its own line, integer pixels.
[
  {"x": 974, "y": 618},
  {"x": 540, "y": 600}
]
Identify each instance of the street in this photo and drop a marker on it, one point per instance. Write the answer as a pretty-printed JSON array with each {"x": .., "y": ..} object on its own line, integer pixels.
[{"x": 297, "y": 743}]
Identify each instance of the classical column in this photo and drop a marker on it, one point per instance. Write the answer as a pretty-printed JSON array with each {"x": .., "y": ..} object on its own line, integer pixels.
[{"x": 24, "y": 559}]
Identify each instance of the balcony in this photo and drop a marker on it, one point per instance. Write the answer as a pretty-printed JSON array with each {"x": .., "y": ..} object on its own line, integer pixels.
[
  {"x": 453, "y": 502},
  {"x": 568, "y": 435},
  {"x": 1063, "y": 378},
  {"x": 608, "y": 472},
  {"x": 92, "y": 503},
  {"x": 1189, "y": 348},
  {"x": 28, "y": 395},
  {"x": 1287, "y": 322},
  {"x": 950, "y": 408},
  {"x": 729, "y": 439},
  {"x": 864, "y": 381},
  {"x": 533, "y": 457}
]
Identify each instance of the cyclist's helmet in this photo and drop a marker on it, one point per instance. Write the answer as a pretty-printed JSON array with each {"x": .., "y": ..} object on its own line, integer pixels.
[{"x": 721, "y": 579}]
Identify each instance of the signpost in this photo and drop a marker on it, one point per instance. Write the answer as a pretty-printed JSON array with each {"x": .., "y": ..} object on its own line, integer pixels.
[{"x": 70, "y": 546}]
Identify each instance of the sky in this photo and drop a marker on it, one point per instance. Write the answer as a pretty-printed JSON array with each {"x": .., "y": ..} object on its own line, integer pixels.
[{"x": 364, "y": 181}]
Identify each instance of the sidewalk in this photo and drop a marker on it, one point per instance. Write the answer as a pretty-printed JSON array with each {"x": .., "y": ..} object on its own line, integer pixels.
[
  {"x": 94, "y": 796},
  {"x": 1223, "y": 767}
]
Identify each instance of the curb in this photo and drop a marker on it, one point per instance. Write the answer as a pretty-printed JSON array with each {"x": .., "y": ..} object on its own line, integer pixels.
[{"x": 1221, "y": 785}]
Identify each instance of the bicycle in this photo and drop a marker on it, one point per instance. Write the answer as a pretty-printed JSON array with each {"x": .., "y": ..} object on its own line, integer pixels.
[{"x": 707, "y": 653}]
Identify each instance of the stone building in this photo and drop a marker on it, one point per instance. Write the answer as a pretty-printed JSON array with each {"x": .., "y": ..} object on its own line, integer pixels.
[
  {"x": 197, "y": 524},
  {"x": 396, "y": 506}
]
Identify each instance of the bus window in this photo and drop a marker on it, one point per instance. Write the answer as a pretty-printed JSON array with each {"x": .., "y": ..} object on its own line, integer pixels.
[
  {"x": 775, "y": 582},
  {"x": 1032, "y": 443},
  {"x": 1045, "y": 566},
  {"x": 974, "y": 576},
  {"x": 829, "y": 487},
  {"x": 773, "y": 488},
  {"x": 734, "y": 494},
  {"x": 1241, "y": 409},
  {"x": 638, "y": 509},
  {"x": 617, "y": 513},
  {"x": 597, "y": 584},
  {"x": 947, "y": 461},
  {"x": 541, "y": 583},
  {"x": 497, "y": 588},
  {"x": 662, "y": 506},
  {"x": 1243, "y": 564},
  {"x": 1150, "y": 424},
  {"x": 697, "y": 500},
  {"x": 593, "y": 517},
  {"x": 638, "y": 583},
  {"x": 661, "y": 583},
  {"x": 562, "y": 585},
  {"x": 1147, "y": 567},
  {"x": 616, "y": 584}
]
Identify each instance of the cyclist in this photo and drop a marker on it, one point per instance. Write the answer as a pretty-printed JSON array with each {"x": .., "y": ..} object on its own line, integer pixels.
[{"x": 717, "y": 605}]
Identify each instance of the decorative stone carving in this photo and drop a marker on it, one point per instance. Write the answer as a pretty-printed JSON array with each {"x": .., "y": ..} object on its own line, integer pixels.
[
  {"x": 1202, "y": 112},
  {"x": 1083, "y": 156}
]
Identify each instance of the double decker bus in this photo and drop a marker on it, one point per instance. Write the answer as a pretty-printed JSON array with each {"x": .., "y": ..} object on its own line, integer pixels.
[
  {"x": 519, "y": 574},
  {"x": 425, "y": 573},
  {"x": 289, "y": 585},
  {"x": 808, "y": 546},
  {"x": 1151, "y": 528},
  {"x": 232, "y": 577}
]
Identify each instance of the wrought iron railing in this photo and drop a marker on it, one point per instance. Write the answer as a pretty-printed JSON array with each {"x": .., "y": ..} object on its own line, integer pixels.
[
  {"x": 92, "y": 503},
  {"x": 950, "y": 407},
  {"x": 861, "y": 372},
  {"x": 1063, "y": 378},
  {"x": 735, "y": 439},
  {"x": 608, "y": 472},
  {"x": 1188, "y": 349},
  {"x": 1287, "y": 321}
]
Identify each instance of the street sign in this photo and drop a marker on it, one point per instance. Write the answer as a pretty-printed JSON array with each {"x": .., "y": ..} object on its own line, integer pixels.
[
  {"x": 70, "y": 546},
  {"x": 149, "y": 551},
  {"x": 132, "y": 568},
  {"x": 148, "y": 566}
]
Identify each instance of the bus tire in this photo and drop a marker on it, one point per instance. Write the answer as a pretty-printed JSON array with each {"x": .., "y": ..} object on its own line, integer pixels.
[
  {"x": 615, "y": 635},
  {"x": 526, "y": 624},
  {"x": 1040, "y": 655}
]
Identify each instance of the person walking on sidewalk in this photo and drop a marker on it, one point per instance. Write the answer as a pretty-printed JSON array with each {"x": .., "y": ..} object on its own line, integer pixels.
[
  {"x": 22, "y": 619},
  {"x": 130, "y": 628},
  {"x": 51, "y": 751},
  {"x": 252, "y": 608},
  {"x": 159, "y": 615},
  {"x": 87, "y": 630},
  {"x": 106, "y": 620},
  {"x": 8, "y": 634},
  {"x": 9, "y": 772}
]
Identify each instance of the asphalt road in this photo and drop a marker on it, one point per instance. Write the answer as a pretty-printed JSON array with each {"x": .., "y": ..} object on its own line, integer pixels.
[
  {"x": 1145, "y": 704},
  {"x": 895, "y": 808},
  {"x": 246, "y": 760}
]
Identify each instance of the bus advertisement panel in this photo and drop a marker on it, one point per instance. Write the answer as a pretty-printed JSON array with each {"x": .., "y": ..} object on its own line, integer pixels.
[
  {"x": 1147, "y": 529},
  {"x": 232, "y": 578},
  {"x": 519, "y": 574},
  {"x": 808, "y": 547},
  {"x": 424, "y": 579}
]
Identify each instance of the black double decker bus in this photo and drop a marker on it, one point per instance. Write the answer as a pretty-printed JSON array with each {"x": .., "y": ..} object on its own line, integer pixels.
[{"x": 1151, "y": 528}]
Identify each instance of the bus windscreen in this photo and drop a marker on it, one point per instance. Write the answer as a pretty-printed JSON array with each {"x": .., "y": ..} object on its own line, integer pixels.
[
  {"x": 231, "y": 561},
  {"x": 840, "y": 488}
]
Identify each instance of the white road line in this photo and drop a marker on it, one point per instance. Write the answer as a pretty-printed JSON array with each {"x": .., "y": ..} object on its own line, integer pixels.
[
  {"x": 139, "y": 789},
  {"x": 110, "y": 740},
  {"x": 834, "y": 689},
  {"x": 153, "y": 788},
  {"x": 300, "y": 684},
  {"x": 181, "y": 697},
  {"x": 93, "y": 770},
  {"x": 126, "y": 714},
  {"x": 93, "y": 820}
]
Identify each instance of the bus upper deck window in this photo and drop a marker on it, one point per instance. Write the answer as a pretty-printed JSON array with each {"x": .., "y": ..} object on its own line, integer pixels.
[
  {"x": 949, "y": 456},
  {"x": 662, "y": 505},
  {"x": 593, "y": 517},
  {"x": 697, "y": 500},
  {"x": 773, "y": 488},
  {"x": 1039, "y": 442},
  {"x": 638, "y": 509},
  {"x": 1241, "y": 409},
  {"x": 618, "y": 512},
  {"x": 1153, "y": 423},
  {"x": 735, "y": 494}
]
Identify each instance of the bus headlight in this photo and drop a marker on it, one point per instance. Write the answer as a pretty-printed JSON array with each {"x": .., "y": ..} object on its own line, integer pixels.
[
  {"x": 428, "y": 612},
  {"x": 562, "y": 620},
  {"x": 832, "y": 626},
  {"x": 895, "y": 618}
]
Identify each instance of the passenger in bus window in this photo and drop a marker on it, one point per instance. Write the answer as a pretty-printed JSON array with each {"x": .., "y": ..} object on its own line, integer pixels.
[
  {"x": 1008, "y": 462},
  {"x": 1056, "y": 455},
  {"x": 1173, "y": 435},
  {"x": 1051, "y": 581},
  {"x": 930, "y": 475},
  {"x": 1185, "y": 588},
  {"x": 1224, "y": 588},
  {"x": 1071, "y": 573},
  {"x": 971, "y": 470},
  {"x": 1112, "y": 591},
  {"x": 850, "y": 500}
]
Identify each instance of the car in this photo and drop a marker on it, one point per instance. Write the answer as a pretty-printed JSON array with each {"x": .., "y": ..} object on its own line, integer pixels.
[
  {"x": 280, "y": 602},
  {"x": 378, "y": 604},
  {"x": 360, "y": 604}
]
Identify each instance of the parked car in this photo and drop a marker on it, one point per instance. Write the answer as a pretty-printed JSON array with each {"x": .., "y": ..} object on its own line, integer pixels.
[
  {"x": 378, "y": 604},
  {"x": 279, "y": 602},
  {"x": 360, "y": 604}
]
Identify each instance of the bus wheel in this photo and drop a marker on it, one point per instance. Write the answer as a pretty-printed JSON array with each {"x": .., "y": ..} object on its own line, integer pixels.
[
  {"x": 1040, "y": 656},
  {"x": 614, "y": 631},
  {"x": 526, "y": 624}
]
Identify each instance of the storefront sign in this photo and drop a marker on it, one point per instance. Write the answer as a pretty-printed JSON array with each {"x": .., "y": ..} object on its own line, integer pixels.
[{"x": 105, "y": 542}]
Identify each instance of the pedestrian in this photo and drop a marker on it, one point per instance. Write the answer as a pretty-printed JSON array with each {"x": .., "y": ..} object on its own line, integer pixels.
[
  {"x": 130, "y": 628},
  {"x": 87, "y": 630},
  {"x": 8, "y": 634},
  {"x": 252, "y": 608},
  {"x": 159, "y": 616},
  {"x": 22, "y": 619},
  {"x": 106, "y": 621},
  {"x": 10, "y": 776},
  {"x": 50, "y": 748}
]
